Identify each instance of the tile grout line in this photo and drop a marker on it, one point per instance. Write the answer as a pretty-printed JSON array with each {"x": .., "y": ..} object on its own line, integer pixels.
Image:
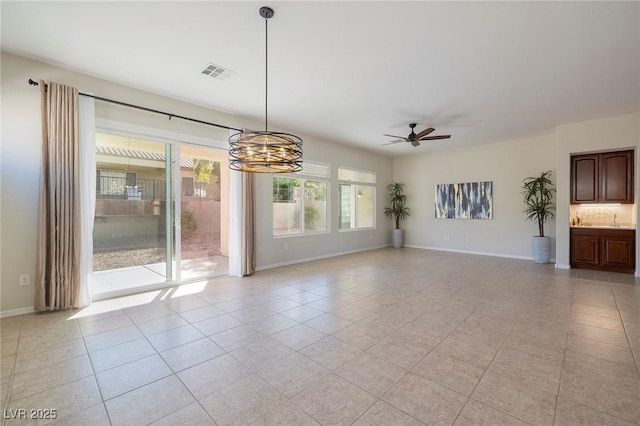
[
  {"x": 410, "y": 370},
  {"x": 175, "y": 373},
  {"x": 564, "y": 353},
  {"x": 626, "y": 334},
  {"x": 95, "y": 377},
  {"x": 597, "y": 380},
  {"x": 332, "y": 372},
  {"x": 154, "y": 381},
  {"x": 491, "y": 362},
  {"x": 198, "y": 401},
  {"x": 55, "y": 386},
  {"x": 156, "y": 352},
  {"x": 12, "y": 374}
]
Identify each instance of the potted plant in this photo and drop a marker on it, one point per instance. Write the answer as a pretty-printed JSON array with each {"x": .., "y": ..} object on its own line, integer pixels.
[
  {"x": 537, "y": 194},
  {"x": 398, "y": 210}
]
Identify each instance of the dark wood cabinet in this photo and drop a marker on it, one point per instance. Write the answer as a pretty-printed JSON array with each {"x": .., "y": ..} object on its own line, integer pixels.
[
  {"x": 584, "y": 179},
  {"x": 602, "y": 178},
  {"x": 618, "y": 252},
  {"x": 616, "y": 170},
  {"x": 605, "y": 249},
  {"x": 585, "y": 250}
]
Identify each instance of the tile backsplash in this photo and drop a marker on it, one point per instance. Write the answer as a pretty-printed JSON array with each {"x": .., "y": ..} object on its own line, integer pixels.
[{"x": 603, "y": 215}]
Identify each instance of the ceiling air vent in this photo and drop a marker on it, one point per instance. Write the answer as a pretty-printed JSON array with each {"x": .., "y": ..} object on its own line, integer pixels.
[{"x": 216, "y": 71}]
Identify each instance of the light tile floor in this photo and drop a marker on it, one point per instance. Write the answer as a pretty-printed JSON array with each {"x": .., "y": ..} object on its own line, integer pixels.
[{"x": 387, "y": 337}]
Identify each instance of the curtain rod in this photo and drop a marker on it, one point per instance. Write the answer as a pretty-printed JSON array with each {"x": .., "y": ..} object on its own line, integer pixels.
[{"x": 168, "y": 114}]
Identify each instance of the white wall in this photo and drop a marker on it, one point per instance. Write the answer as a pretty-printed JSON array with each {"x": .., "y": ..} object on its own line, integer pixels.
[
  {"x": 20, "y": 169},
  {"x": 607, "y": 134},
  {"x": 506, "y": 164}
]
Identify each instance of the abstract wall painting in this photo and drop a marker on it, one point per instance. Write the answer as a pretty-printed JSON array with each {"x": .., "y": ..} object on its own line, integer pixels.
[
  {"x": 471, "y": 200},
  {"x": 445, "y": 201}
]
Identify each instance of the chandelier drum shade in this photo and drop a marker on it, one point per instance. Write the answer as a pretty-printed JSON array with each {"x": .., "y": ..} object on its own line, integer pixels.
[{"x": 265, "y": 151}]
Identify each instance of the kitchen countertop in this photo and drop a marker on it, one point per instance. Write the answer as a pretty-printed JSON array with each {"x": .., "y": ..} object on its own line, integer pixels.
[{"x": 603, "y": 227}]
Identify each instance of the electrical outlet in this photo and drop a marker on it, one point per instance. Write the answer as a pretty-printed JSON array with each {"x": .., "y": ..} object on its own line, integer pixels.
[
  {"x": 468, "y": 239},
  {"x": 446, "y": 237},
  {"x": 25, "y": 279},
  {"x": 286, "y": 246}
]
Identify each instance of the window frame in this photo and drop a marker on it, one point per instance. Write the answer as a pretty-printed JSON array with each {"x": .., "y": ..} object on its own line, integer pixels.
[
  {"x": 303, "y": 178},
  {"x": 355, "y": 184}
]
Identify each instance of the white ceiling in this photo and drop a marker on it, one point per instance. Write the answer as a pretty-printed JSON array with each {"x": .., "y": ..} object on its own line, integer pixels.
[{"x": 351, "y": 71}]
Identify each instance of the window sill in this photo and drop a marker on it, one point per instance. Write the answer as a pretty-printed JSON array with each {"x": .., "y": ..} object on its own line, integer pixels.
[
  {"x": 357, "y": 229},
  {"x": 306, "y": 234}
]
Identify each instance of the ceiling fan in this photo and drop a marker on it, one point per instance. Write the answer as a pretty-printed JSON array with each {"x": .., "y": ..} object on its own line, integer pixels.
[{"x": 414, "y": 139}]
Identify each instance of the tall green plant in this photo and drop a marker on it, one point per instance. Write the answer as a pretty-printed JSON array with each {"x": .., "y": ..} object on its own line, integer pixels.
[
  {"x": 398, "y": 209},
  {"x": 537, "y": 194},
  {"x": 189, "y": 223},
  {"x": 204, "y": 169}
]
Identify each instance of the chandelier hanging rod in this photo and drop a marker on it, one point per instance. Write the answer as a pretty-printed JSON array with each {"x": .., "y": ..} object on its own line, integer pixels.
[
  {"x": 266, "y": 13},
  {"x": 155, "y": 111}
]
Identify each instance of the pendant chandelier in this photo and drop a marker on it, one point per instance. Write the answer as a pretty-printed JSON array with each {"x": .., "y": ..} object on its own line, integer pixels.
[{"x": 265, "y": 152}]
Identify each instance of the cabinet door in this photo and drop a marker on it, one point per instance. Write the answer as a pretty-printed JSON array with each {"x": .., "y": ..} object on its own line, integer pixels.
[
  {"x": 616, "y": 185},
  {"x": 585, "y": 250},
  {"x": 618, "y": 252},
  {"x": 585, "y": 179}
]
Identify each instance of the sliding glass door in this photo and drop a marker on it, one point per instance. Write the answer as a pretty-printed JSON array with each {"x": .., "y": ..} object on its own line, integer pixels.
[
  {"x": 142, "y": 236},
  {"x": 132, "y": 234},
  {"x": 203, "y": 242}
]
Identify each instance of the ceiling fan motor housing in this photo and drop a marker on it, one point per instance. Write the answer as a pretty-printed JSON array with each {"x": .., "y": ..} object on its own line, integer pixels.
[{"x": 412, "y": 135}]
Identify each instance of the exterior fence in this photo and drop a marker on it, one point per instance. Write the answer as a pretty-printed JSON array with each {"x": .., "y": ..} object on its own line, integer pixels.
[{"x": 108, "y": 187}]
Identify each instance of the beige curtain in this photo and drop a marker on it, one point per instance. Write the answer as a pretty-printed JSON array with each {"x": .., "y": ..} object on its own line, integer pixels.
[
  {"x": 58, "y": 251},
  {"x": 248, "y": 257}
]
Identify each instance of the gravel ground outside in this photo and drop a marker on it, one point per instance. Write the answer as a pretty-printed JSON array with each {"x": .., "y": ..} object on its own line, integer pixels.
[{"x": 143, "y": 251}]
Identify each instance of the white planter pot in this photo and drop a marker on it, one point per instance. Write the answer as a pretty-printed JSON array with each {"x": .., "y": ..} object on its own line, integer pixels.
[
  {"x": 541, "y": 247},
  {"x": 397, "y": 237}
]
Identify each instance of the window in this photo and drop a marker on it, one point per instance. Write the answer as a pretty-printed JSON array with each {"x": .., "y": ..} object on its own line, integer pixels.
[
  {"x": 132, "y": 179},
  {"x": 187, "y": 187},
  {"x": 357, "y": 197},
  {"x": 300, "y": 201},
  {"x": 110, "y": 182}
]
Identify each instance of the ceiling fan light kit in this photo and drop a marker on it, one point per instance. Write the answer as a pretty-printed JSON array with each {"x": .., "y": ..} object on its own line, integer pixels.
[
  {"x": 415, "y": 139},
  {"x": 265, "y": 151}
]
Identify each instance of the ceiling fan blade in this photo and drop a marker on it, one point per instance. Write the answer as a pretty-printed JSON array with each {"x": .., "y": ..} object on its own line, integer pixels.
[
  {"x": 432, "y": 138},
  {"x": 394, "y": 142},
  {"x": 394, "y": 136},
  {"x": 424, "y": 133},
  {"x": 415, "y": 143}
]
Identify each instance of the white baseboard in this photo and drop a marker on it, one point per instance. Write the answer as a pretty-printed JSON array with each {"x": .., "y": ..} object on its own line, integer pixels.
[
  {"x": 562, "y": 266},
  {"x": 480, "y": 253},
  {"x": 16, "y": 312},
  {"x": 637, "y": 274},
  {"x": 324, "y": 256}
]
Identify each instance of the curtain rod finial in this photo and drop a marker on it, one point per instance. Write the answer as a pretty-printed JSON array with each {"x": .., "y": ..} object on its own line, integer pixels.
[{"x": 33, "y": 82}]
